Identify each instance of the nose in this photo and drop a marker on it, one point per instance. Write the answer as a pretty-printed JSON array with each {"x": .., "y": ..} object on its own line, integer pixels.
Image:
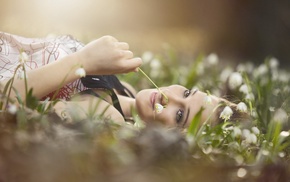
[{"x": 172, "y": 98}]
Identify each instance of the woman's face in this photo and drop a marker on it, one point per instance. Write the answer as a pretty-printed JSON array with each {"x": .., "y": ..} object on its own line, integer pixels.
[{"x": 182, "y": 105}]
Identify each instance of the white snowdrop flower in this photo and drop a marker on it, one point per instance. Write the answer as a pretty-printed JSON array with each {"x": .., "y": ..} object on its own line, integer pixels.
[
  {"x": 272, "y": 109},
  {"x": 21, "y": 75},
  {"x": 225, "y": 74},
  {"x": 228, "y": 128},
  {"x": 12, "y": 109},
  {"x": 235, "y": 80},
  {"x": 274, "y": 63},
  {"x": 226, "y": 113},
  {"x": 284, "y": 133},
  {"x": 242, "y": 172},
  {"x": 147, "y": 56},
  {"x": 80, "y": 72},
  {"x": 265, "y": 152},
  {"x": 155, "y": 64},
  {"x": 281, "y": 154},
  {"x": 260, "y": 71},
  {"x": 271, "y": 144},
  {"x": 241, "y": 68},
  {"x": 254, "y": 138},
  {"x": 254, "y": 114},
  {"x": 246, "y": 133},
  {"x": 158, "y": 108},
  {"x": 208, "y": 100},
  {"x": 255, "y": 130},
  {"x": 251, "y": 138},
  {"x": 23, "y": 57},
  {"x": 244, "y": 89},
  {"x": 280, "y": 115},
  {"x": 207, "y": 150},
  {"x": 212, "y": 59},
  {"x": 242, "y": 107},
  {"x": 250, "y": 97},
  {"x": 237, "y": 132},
  {"x": 283, "y": 77}
]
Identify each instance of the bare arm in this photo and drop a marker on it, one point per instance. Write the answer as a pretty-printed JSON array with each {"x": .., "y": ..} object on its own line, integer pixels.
[
  {"x": 48, "y": 78},
  {"x": 102, "y": 56}
]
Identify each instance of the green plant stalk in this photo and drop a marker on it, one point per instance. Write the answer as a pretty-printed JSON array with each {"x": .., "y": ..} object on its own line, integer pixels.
[
  {"x": 25, "y": 80},
  {"x": 8, "y": 87},
  {"x": 153, "y": 83}
]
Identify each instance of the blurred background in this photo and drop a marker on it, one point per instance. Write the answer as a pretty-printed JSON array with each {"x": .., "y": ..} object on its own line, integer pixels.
[{"x": 237, "y": 30}]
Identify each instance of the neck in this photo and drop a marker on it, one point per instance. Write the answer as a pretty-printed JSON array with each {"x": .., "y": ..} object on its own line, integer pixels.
[{"x": 127, "y": 105}]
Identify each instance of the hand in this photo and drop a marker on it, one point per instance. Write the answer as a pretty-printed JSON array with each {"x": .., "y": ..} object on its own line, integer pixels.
[{"x": 107, "y": 55}]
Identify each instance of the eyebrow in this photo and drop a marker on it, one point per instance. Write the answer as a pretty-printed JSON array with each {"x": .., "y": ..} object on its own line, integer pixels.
[{"x": 188, "y": 110}]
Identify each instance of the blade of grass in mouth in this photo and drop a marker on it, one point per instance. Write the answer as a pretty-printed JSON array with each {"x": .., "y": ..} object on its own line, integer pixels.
[{"x": 153, "y": 83}]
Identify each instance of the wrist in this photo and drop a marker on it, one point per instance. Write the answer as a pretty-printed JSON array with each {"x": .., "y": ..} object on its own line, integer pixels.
[{"x": 76, "y": 59}]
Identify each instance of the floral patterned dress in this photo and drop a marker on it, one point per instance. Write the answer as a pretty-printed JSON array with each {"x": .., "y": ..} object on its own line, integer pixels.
[{"x": 41, "y": 51}]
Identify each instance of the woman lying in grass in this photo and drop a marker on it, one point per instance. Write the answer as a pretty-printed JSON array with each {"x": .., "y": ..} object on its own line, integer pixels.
[{"x": 92, "y": 96}]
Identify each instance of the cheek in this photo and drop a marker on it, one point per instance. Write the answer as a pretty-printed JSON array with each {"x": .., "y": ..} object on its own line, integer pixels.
[
  {"x": 142, "y": 107},
  {"x": 166, "y": 117},
  {"x": 144, "y": 114}
]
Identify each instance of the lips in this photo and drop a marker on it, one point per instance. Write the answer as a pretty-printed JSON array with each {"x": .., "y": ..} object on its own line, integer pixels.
[{"x": 153, "y": 99}]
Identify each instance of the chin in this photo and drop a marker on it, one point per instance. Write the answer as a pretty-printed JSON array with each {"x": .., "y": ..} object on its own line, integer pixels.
[{"x": 142, "y": 106}]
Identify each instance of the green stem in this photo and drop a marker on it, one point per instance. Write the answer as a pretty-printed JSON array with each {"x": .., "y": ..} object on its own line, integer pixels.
[
  {"x": 153, "y": 83},
  {"x": 25, "y": 81}
]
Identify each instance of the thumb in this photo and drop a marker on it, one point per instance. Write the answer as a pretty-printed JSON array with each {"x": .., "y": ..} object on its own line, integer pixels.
[{"x": 134, "y": 63}]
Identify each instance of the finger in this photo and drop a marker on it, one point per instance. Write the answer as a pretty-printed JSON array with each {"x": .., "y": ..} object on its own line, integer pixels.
[
  {"x": 113, "y": 38},
  {"x": 134, "y": 64},
  {"x": 126, "y": 54},
  {"x": 109, "y": 38},
  {"x": 122, "y": 45}
]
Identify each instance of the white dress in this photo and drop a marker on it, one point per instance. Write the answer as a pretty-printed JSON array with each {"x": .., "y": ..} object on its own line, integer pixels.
[{"x": 41, "y": 51}]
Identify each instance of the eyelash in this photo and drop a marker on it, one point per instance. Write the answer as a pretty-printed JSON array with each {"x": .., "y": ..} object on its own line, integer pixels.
[
  {"x": 186, "y": 93},
  {"x": 179, "y": 113}
]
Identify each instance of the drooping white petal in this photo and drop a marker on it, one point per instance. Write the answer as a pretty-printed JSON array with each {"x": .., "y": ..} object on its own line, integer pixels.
[
  {"x": 23, "y": 57},
  {"x": 235, "y": 80},
  {"x": 80, "y": 72},
  {"x": 226, "y": 113},
  {"x": 158, "y": 108},
  {"x": 12, "y": 109},
  {"x": 242, "y": 107}
]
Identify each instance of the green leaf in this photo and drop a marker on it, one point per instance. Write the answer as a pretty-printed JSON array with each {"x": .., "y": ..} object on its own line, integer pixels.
[
  {"x": 31, "y": 100},
  {"x": 195, "y": 123}
]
